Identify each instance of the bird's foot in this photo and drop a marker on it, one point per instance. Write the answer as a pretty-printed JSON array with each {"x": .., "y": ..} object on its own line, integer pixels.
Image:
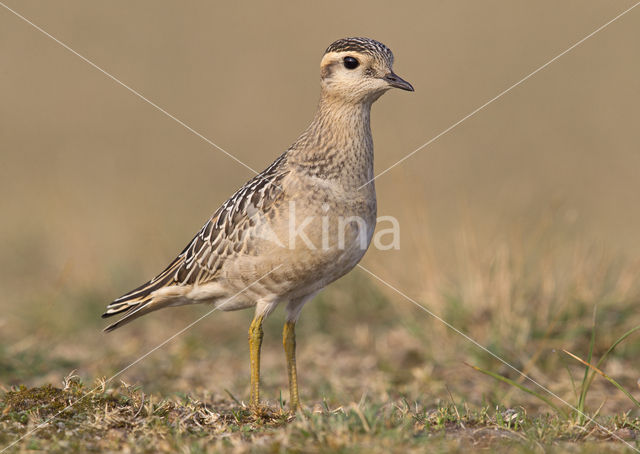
[{"x": 259, "y": 411}]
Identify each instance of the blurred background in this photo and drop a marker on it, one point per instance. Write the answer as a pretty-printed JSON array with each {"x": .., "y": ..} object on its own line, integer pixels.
[{"x": 514, "y": 225}]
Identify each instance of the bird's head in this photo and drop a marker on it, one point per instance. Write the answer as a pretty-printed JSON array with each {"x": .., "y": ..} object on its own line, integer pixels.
[{"x": 358, "y": 70}]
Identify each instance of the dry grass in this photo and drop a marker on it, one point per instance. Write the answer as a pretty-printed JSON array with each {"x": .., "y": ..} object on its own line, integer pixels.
[
  {"x": 377, "y": 373},
  {"x": 123, "y": 418}
]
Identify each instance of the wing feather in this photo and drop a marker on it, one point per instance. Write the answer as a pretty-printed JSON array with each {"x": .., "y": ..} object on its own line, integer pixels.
[{"x": 219, "y": 238}]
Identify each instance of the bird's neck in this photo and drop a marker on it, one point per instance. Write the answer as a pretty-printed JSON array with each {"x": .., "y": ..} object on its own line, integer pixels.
[{"x": 337, "y": 144}]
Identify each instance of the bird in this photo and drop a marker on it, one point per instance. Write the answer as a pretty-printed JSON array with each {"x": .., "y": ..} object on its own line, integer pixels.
[{"x": 299, "y": 225}]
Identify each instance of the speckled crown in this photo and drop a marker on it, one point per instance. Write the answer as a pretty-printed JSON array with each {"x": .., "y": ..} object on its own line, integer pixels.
[{"x": 364, "y": 45}]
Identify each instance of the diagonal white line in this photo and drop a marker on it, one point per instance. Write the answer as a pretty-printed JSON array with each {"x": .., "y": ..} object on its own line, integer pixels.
[
  {"x": 485, "y": 349},
  {"x": 121, "y": 371},
  {"x": 499, "y": 95},
  {"x": 363, "y": 268},
  {"x": 119, "y": 82}
]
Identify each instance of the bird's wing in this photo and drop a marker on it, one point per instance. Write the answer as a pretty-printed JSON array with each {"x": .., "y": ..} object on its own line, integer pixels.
[{"x": 218, "y": 239}]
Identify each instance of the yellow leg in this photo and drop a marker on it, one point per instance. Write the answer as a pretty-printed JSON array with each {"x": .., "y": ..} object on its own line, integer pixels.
[
  {"x": 255, "y": 342},
  {"x": 289, "y": 341}
]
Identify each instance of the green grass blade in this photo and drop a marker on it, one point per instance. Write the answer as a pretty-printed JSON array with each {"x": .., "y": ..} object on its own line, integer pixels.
[
  {"x": 584, "y": 388},
  {"x": 611, "y": 380},
  {"x": 521, "y": 388},
  {"x": 613, "y": 346}
]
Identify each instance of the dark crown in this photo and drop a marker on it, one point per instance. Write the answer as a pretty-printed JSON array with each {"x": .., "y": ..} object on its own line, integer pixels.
[{"x": 364, "y": 45}]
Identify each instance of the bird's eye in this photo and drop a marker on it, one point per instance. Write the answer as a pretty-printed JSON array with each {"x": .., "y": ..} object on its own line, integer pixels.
[{"x": 351, "y": 63}]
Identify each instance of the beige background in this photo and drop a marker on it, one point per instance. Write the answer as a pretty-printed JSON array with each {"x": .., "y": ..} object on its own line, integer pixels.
[{"x": 100, "y": 190}]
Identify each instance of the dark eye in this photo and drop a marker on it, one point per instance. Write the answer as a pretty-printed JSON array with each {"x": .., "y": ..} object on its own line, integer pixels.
[{"x": 351, "y": 63}]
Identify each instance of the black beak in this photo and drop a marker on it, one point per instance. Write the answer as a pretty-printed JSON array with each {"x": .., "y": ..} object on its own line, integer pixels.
[{"x": 398, "y": 82}]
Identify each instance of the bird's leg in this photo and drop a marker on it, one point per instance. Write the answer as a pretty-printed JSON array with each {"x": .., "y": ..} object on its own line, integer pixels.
[
  {"x": 289, "y": 342},
  {"x": 255, "y": 342}
]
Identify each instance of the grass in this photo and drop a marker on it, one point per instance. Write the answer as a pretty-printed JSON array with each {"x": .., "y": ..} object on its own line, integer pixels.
[
  {"x": 590, "y": 372},
  {"x": 118, "y": 416},
  {"x": 377, "y": 374}
]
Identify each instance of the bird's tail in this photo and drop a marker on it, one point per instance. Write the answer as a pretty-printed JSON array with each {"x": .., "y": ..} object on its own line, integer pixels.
[
  {"x": 139, "y": 301},
  {"x": 131, "y": 310}
]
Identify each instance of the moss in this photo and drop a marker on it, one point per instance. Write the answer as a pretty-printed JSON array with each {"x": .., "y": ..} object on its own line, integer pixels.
[{"x": 46, "y": 401}]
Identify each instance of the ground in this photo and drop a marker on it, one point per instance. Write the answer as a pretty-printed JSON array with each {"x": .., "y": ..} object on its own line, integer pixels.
[{"x": 377, "y": 373}]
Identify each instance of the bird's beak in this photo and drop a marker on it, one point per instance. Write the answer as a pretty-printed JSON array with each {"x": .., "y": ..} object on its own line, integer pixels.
[{"x": 398, "y": 82}]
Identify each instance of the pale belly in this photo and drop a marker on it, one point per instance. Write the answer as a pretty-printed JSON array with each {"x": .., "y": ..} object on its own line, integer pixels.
[{"x": 303, "y": 249}]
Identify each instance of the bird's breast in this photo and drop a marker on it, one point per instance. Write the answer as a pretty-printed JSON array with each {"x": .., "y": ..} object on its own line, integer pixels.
[{"x": 315, "y": 234}]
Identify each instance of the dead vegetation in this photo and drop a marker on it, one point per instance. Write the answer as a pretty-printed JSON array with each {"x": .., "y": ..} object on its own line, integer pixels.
[{"x": 377, "y": 374}]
